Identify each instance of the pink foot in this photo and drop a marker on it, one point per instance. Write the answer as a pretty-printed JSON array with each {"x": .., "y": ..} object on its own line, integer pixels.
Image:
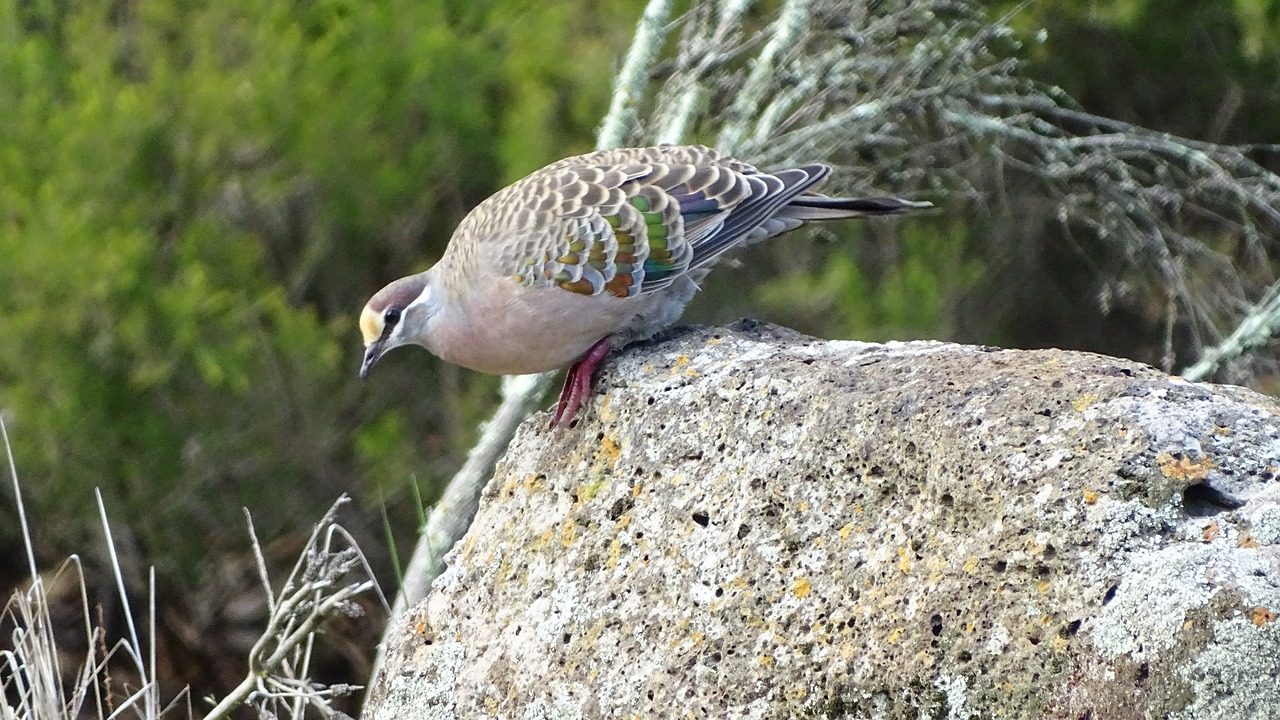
[{"x": 577, "y": 384}]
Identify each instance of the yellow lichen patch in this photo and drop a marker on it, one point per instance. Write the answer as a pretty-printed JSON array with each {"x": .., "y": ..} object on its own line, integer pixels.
[
  {"x": 1044, "y": 586},
  {"x": 469, "y": 546},
  {"x": 820, "y": 632},
  {"x": 1083, "y": 402},
  {"x": 637, "y": 489},
  {"x": 938, "y": 567},
  {"x": 623, "y": 522},
  {"x": 801, "y": 587},
  {"x": 802, "y": 506},
  {"x": 797, "y": 692},
  {"x": 1261, "y": 616},
  {"x": 697, "y": 638},
  {"x": 683, "y": 362},
  {"x": 1222, "y": 430},
  {"x": 545, "y": 539},
  {"x": 605, "y": 410},
  {"x": 615, "y": 553},
  {"x": 534, "y": 483},
  {"x": 844, "y": 531},
  {"x": 609, "y": 453},
  {"x": 714, "y": 341},
  {"x": 971, "y": 565},
  {"x": 1091, "y": 496},
  {"x": 1059, "y": 643},
  {"x": 765, "y": 659},
  {"x": 894, "y": 635},
  {"x": 587, "y": 491},
  {"x": 1184, "y": 469},
  {"x": 568, "y": 533},
  {"x": 904, "y": 561}
]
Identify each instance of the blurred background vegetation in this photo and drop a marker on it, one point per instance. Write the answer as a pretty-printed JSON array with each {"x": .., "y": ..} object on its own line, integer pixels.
[{"x": 197, "y": 197}]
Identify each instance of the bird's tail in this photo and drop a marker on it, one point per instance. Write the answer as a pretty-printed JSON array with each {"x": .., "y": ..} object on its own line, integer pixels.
[{"x": 812, "y": 206}]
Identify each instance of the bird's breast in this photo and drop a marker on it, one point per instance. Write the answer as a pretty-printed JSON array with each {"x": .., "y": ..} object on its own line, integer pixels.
[{"x": 511, "y": 329}]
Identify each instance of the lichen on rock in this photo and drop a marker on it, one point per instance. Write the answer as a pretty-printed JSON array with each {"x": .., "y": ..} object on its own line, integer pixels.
[{"x": 752, "y": 523}]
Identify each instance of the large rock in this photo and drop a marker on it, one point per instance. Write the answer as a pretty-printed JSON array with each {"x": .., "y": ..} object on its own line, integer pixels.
[{"x": 753, "y": 523}]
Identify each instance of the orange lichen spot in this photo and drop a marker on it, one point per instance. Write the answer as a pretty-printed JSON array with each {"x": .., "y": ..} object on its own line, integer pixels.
[
  {"x": 1185, "y": 469},
  {"x": 1091, "y": 496},
  {"x": 1261, "y": 616},
  {"x": 1247, "y": 541},
  {"x": 1210, "y": 532},
  {"x": 801, "y": 587},
  {"x": 637, "y": 489},
  {"x": 609, "y": 452}
]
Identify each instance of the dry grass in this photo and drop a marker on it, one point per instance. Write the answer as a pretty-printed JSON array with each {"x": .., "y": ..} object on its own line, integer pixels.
[{"x": 57, "y": 667}]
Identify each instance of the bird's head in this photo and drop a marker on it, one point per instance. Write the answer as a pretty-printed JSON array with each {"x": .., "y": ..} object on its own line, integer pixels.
[{"x": 397, "y": 315}]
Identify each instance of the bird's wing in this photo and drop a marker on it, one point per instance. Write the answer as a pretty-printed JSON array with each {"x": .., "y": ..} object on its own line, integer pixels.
[{"x": 631, "y": 221}]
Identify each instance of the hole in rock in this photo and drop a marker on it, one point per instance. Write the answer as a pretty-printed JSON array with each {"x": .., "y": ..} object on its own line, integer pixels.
[{"x": 1202, "y": 500}]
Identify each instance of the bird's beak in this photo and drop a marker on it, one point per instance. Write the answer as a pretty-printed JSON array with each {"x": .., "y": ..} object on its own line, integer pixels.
[{"x": 371, "y": 355}]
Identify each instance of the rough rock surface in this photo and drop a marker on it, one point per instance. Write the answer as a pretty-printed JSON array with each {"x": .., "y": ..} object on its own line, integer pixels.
[{"x": 752, "y": 523}]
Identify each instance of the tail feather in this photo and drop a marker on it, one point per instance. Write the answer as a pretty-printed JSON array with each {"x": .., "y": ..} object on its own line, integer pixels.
[{"x": 812, "y": 206}]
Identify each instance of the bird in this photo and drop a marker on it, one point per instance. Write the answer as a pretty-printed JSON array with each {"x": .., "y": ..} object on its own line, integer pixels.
[{"x": 589, "y": 254}]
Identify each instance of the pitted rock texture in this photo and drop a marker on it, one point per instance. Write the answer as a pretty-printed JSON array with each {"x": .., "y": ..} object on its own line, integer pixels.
[{"x": 750, "y": 523}]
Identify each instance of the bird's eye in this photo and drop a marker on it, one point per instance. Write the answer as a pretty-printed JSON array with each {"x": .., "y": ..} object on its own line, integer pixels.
[{"x": 391, "y": 316}]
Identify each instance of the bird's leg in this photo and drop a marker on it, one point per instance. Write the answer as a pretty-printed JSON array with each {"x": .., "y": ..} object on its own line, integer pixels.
[{"x": 577, "y": 383}]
